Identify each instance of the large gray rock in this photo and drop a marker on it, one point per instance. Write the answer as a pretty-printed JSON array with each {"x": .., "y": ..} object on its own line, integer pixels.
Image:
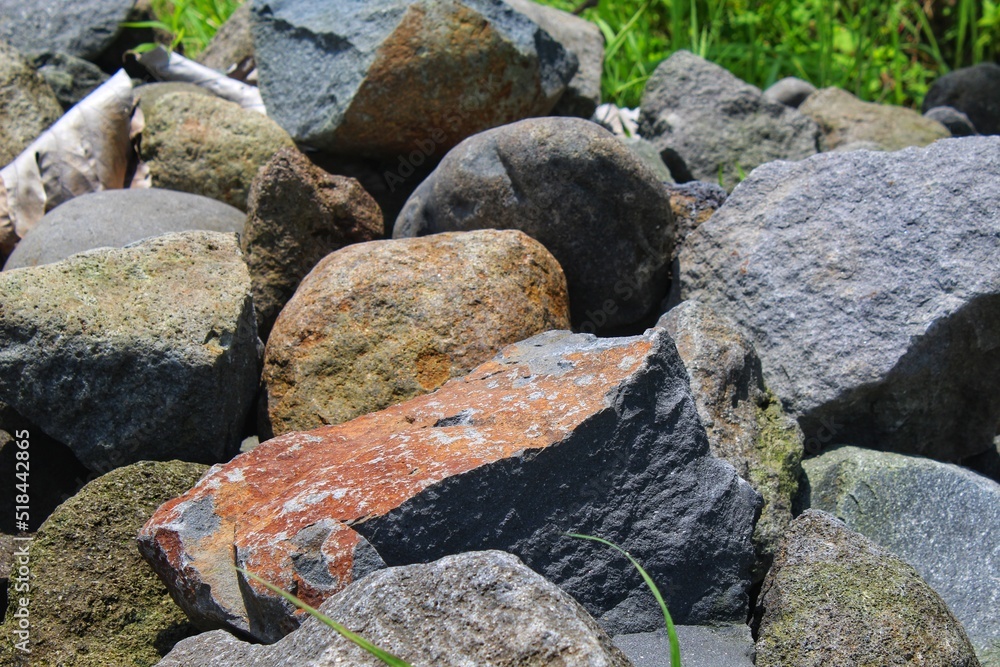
[
  {"x": 397, "y": 77},
  {"x": 116, "y": 218},
  {"x": 745, "y": 423},
  {"x": 701, "y": 646},
  {"x": 578, "y": 190},
  {"x": 479, "y": 608},
  {"x": 581, "y": 38},
  {"x": 834, "y": 597},
  {"x": 941, "y": 519},
  {"x": 705, "y": 121},
  {"x": 561, "y": 432},
  {"x": 143, "y": 352},
  {"x": 27, "y": 104},
  {"x": 870, "y": 285},
  {"x": 975, "y": 91},
  {"x": 84, "y": 28}
]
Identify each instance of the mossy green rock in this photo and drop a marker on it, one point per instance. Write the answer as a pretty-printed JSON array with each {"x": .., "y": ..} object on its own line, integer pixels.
[
  {"x": 94, "y": 601},
  {"x": 208, "y": 146},
  {"x": 744, "y": 421},
  {"x": 833, "y": 597}
]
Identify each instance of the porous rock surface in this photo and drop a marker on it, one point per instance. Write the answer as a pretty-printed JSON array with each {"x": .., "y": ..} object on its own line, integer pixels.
[
  {"x": 479, "y": 608},
  {"x": 28, "y": 106},
  {"x": 869, "y": 285},
  {"x": 562, "y": 432},
  {"x": 705, "y": 120},
  {"x": 833, "y": 597},
  {"x": 574, "y": 187},
  {"x": 142, "y": 352},
  {"x": 384, "y": 78}
]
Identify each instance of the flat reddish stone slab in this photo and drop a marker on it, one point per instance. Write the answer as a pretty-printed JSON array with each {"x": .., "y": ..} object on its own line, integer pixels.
[{"x": 560, "y": 432}]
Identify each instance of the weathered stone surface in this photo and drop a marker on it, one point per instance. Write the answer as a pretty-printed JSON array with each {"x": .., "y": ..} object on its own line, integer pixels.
[
  {"x": 957, "y": 122},
  {"x": 70, "y": 78},
  {"x": 575, "y": 188},
  {"x": 297, "y": 214},
  {"x": 116, "y": 218},
  {"x": 480, "y": 608},
  {"x": 703, "y": 120},
  {"x": 975, "y": 91},
  {"x": 744, "y": 421},
  {"x": 646, "y": 151},
  {"x": 693, "y": 203},
  {"x": 208, "y": 146},
  {"x": 581, "y": 38},
  {"x": 833, "y": 597},
  {"x": 377, "y": 323},
  {"x": 941, "y": 519},
  {"x": 27, "y": 104},
  {"x": 143, "y": 352},
  {"x": 790, "y": 91},
  {"x": 83, "y": 29},
  {"x": 701, "y": 646},
  {"x": 94, "y": 602},
  {"x": 388, "y": 78},
  {"x": 232, "y": 44},
  {"x": 845, "y": 121},
  {"x": 148, "y": 94},
  {"x": 869, "y": 284},
  {"x": 560, "y": 432}
]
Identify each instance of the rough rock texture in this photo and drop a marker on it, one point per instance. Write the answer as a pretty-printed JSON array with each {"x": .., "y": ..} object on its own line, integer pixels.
[
  {"x": 957, "y": 122},
  {"x": 115, "y": 218},
  {"x": 975, "y": 91},
  {"x": 574, "y": 187},
  {"x": 703, "y": 120},
  {"x": 560, "y": 432},
  {"x": 208, "y": 146},
  {"x": 744, "y": 421},
  {"x": 27, "y": 104},
  {"x": 701, "y": 646},
  {"x": 143, "y": 352},
  {"x": 232, "y": 44},
  {"x": 377, "y": 323},
  {"x": 148, "y": 94},
  {"x": 480, "y": 608},
  {"x": 845, "y": 121},
  {"x": 869, "y": 283},
  {"x": 297, "y": 214},
  {"x": 693, "y": 203},
  {"x": 84, "y": 28},
  {"x": 790, "y": 91},
  {"x": 941, "y": 519},
  {"x": 833, "y": 597},
  {"x": 581, "y": 38},
  {"x": 394, "y": 77},
  {"x": 94, "y": 602},
  {"x": 71, "y": 78}
]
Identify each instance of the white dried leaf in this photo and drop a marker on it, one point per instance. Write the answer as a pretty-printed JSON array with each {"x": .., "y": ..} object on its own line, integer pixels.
[{"x": 173, "y": 67}]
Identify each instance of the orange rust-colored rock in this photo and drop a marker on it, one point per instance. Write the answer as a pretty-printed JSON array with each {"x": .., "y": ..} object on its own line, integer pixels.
[
  {"x": 377, "y": 323},
  {"x": 560, "y": 432}
]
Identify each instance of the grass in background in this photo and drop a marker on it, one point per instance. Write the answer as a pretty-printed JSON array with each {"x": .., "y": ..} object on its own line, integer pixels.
[{"x": 880, "y": 50}]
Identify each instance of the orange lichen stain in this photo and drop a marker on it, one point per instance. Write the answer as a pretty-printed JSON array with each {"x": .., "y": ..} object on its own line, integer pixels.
[{"x": 433, "y": 369}]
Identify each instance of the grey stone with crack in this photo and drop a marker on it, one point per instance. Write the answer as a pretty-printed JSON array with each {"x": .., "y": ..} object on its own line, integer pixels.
[{"x": 870, "y": 285}]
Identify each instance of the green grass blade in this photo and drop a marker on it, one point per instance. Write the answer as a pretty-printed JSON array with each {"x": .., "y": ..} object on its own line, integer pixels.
[
  {"x": 675, "y": 646},
  {"x": 381, "y": 654}
]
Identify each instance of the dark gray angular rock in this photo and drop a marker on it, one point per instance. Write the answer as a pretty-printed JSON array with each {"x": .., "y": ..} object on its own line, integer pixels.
[
  {"x": 975, "y": 91},
  {"x": 83, "y": 29},
  {"x": 957, "y": 122},
  {"x": 701, "y": 646},
  {"x": 116, "y": 218},
  {"x": 392, "y": 77},
  {"x": 71, "y": 78},
  {"x": 479, "y": 608},
  {"x": 834, "y": 597},
  {"x": 703, "y": 120},
  {"x": 941, "y": 519},
  {"x": 232, "y": 44},
  {"x": 790, "y": 91},
  {"x": 561, "y": 432},
  {"x": 126, "y": 354},
  {"x": 574, "y": 187},
  {"x": 693, "y": 203},
  {"x": 870, "y": 285}
]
